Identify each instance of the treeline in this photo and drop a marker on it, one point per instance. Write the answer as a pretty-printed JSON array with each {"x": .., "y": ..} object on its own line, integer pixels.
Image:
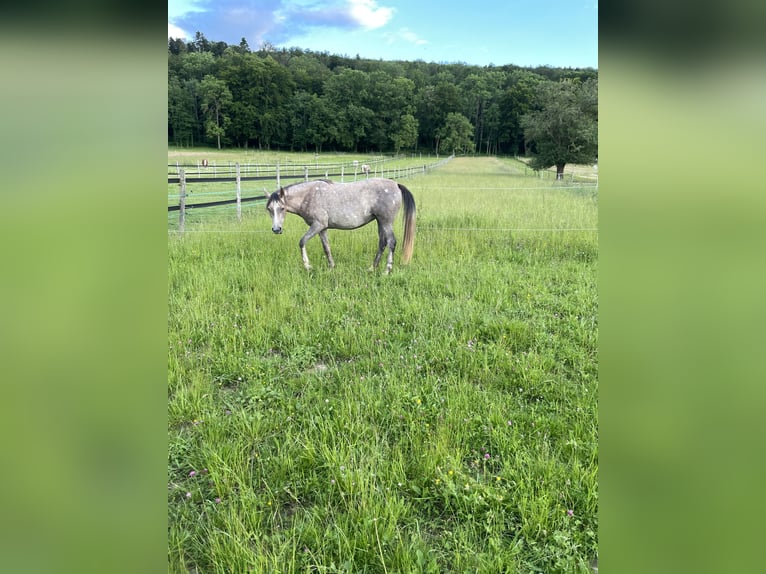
[{"x": 299, "y": 100}]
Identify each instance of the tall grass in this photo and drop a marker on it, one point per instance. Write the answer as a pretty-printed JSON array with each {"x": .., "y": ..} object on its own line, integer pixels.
[{"x": 439, "y": 419}]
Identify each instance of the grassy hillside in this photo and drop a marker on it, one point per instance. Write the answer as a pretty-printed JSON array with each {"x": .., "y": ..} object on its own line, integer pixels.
[{"x": 439, "y": 419}]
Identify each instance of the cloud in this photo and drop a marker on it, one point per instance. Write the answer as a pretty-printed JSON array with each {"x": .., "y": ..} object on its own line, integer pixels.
[
  {"x": 406, "y": 35},
  {"x": 346, "y": 14},
  {"x": 176, "y": 32},
  {"x": 411, "y": 37},
  {"x": 179, "y": 8},
  {"x": 368, "y": 15},
  {"x": 275, "y": 21}
]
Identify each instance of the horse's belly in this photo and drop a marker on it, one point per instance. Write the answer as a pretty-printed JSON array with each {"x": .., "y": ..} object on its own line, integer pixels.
[{"x": 349, "y": 220}]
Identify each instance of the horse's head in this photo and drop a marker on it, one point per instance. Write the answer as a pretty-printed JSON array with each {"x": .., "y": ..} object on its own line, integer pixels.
[{"x": 275, "y": 205}]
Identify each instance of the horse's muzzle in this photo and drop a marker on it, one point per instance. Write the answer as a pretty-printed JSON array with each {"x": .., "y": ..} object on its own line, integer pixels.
[{"x": 277, "y": 230}]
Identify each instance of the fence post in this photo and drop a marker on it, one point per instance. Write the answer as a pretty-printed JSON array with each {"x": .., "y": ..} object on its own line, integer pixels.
[
  {"x": 278, "y": 181},
  {"x": 239, "y": 196},
  {"x": 305, "y": 173},
  {"x": 182, "y": 200}
]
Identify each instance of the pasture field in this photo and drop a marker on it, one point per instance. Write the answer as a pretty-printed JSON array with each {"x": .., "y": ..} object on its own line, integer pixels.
[
  {"x": 261, "y": 164},
  {"x": 442, "y": 418}
]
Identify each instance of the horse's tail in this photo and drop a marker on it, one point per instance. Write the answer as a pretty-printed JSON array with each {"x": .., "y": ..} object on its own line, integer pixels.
[{"x": 409, "y": 223}]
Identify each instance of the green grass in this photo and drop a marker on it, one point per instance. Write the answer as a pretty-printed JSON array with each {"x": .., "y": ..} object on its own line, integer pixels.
[{"x": 439, "y": 419}]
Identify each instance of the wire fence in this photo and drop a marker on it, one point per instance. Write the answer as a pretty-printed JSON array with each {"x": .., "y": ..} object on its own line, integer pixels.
[
  {"x": 278, "y": 175},
  {"x": 234, "y": 174},
  {"x": 420, "y": 229},
  {"x": 202, "y": 170}
]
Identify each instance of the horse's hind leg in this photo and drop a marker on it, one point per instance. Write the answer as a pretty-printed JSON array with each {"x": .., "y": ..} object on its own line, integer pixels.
[
  {"x": 385, "y": 239},
  {"x": 382, "y": 241},
  {"x": 391, "y": 241},
  {"x": 326, "y": 245}
]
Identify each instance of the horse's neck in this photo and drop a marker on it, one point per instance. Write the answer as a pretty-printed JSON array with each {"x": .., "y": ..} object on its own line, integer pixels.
[{"x": 295, "y": 197}]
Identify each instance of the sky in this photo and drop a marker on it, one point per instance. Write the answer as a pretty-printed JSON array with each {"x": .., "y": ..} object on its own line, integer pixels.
[{"x": 558, "y": 33}]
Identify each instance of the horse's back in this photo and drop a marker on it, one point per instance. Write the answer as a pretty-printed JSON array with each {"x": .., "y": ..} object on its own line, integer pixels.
[
  {"x": 375, "y": 192},
  {"x": 357, "y": 203},
  {"x": 378, "y": 189},
  {"x": 383, "y": 195}
]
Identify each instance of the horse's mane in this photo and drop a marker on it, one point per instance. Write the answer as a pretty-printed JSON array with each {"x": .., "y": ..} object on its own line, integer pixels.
[
  {"x": 270, "y": 196},
  {"x": 286, "y": 187}
]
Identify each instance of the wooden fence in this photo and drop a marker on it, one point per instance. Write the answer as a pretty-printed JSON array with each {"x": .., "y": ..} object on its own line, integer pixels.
[{"x": 233, "y": 173}]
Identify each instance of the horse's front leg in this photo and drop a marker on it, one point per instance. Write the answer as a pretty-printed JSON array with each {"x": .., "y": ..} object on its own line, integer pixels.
[
  {"x": 326, "y": 245},
  {"x": 313, "y": 230}
]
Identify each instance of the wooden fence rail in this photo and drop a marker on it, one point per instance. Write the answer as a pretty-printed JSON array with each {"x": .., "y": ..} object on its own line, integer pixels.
[{"x": 181, "y": 180}]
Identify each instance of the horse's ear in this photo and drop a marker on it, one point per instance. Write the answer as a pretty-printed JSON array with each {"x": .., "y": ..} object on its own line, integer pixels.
[{"x": 281, "y": 193}]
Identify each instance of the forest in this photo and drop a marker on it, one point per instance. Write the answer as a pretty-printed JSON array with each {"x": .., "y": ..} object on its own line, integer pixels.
[{"x": 299, "y": 100}]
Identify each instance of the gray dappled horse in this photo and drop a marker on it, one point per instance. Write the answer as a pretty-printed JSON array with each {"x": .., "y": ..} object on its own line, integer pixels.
[{"x": 326, "y": 205}]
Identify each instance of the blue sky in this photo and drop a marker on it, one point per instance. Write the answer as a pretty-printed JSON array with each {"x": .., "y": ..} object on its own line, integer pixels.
[{"x": 561, "y": 33}]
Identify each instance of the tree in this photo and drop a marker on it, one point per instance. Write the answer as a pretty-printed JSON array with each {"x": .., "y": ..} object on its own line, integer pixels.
[
  {"x": 216, "y": 97},
  {"x": 405, "y": 133},
  {"x": 244, "y": 122},
  {"x": 176, "y": 46},
  {"x": 218, "y": 48},
  {"x": 456, "y": 135},
  {"x": 299, "y": 99},
  {"x": 565, "y": 127},
  {"x": 200, "y": 43},
  {"x": 197, "y": 65},
  {"x": 354, "y": 123},
  {"x": 261, "y": 90},
  {"x": 181, "y": 118},
  {"x": 347, "y": 91},
  {"x": 389, "y": 98},
  {"x": 479, "y": 90},
  {"x": 434, "y": 102},
  {"x": 321, "y": 127},
  {"x": 516, "y": 101},
  {"x": 308, "y": 73}
]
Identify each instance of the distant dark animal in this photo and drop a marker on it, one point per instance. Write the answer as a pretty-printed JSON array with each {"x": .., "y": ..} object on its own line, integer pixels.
[{"x": 326, "y": 205}]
